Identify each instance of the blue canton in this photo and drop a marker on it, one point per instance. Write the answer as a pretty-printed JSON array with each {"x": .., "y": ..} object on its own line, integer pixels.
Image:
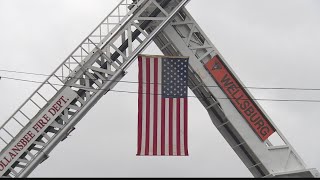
[{"x": 175, "y": 77}]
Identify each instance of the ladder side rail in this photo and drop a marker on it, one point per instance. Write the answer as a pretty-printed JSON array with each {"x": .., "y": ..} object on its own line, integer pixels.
[
  {"x": 64, "y": 65},
  {"x": 91, "y": 102},
  {"x": 67, "y": 62},
  {"x": 213, "y": 107},
  {"x": 215, "y": 51},
  {"x": 200, "y": 47},
  {"x": 105, "y": 49},
  {"x": 211, "y": 45},
  {"x": 210, "y": 102}
]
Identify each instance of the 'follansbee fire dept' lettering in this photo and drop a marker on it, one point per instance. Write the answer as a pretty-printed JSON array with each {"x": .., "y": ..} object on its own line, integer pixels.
[
  {"x": 242, "y": 102},
  {"x": 30, "y": 135}
]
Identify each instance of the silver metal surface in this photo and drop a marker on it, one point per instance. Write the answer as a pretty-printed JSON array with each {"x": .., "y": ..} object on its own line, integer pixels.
[
  {"x": 184, "y": 37},
  {"x": 98, "y": 63},
  {"x": 91, "y": 71}
]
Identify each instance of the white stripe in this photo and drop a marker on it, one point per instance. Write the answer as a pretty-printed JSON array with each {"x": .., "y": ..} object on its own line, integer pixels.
[
  {"x": 167, "y": 127},
  {"x": 159, "y": 107},
  {"x": 144, "y": 102},
  {"x": 174, "y": 126},
  {"x": 151, "y": 118},
  {"x": 182, "y": 127}
]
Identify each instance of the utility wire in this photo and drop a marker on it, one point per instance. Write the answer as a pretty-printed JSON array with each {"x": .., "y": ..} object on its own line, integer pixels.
[
  {"x": 134, "y": 82},
  {"x": 133, "y": 92}
]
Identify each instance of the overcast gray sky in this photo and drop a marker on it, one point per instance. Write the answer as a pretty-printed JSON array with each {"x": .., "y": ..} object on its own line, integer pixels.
[{"x": 268, "y": 43}]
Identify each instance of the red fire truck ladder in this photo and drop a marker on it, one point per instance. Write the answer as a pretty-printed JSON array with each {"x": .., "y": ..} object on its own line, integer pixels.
[{"x": 50, "y": 114}]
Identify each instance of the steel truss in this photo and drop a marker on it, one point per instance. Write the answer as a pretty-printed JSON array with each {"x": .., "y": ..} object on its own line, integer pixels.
[{"x": 101, "y": 61}]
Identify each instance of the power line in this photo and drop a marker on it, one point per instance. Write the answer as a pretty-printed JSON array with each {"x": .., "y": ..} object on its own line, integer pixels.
[
  {"x": 134, "y": 92},
  {"x": 135, "y": 82},
  {"x": 22, "y": 72},
  {"x": 277, "y": 100}
]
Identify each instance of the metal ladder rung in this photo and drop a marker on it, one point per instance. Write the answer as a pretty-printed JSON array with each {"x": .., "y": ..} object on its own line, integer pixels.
[
  {"x": 13, "y": 171},
  {"x": 56, "y": 125},
  {"x": 68, "y": 63},
  {"x": 39, "y": 143},
  {"x": 4, "y": 140},
  {"x": 24, "y": 115},
  {"x": 222, "y": 125},
  {"x": 196, "y": 87},
  {"x": 24, "y": 160},
  {"x": 35, "y": 103},
  {"x": 71, "y": 113},
  {"x": 52, "y": 86},
  {"x": 36, "y": 149},
  {"x": 110, "y": 73},
  {"x": 21, "y": 166},
  {"x": 8, "y": 133},
  {"x": 103, "y": 78},
  {"x": 81, "y": 100},
  {"x": 254, "y": 165},
  {"x": 46, "y": 136},
  {"x": 18, "y": 121},
  {"x": 117, "y": 16},
  {"x": 52, "y": 130},
  {"x": 102, "y": 35},
  {"x": 74, "y": 107},
  {"x": 91, "y": 89},
  {"x": 212, "y": 105},
  {"x": 165, "y": 46},
  {"x": 238, "y": 145},
  {"x": 64, "y": 117},
  {"x": 110, "y": 23},
  {"x": 42, "y": 97}
]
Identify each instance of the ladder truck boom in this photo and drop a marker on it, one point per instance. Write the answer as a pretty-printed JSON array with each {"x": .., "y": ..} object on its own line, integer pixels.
[
  {"x": 184, "y": 37},
  {"x": 99, "y": 62},
  {"x": 82, "y": 79}
]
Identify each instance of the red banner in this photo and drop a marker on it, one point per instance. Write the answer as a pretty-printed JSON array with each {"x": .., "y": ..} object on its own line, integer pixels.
[{"x": 240, "y": 98}]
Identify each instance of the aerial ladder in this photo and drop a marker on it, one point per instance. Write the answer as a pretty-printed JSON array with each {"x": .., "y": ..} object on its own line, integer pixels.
[{"x": 95, "y": 67}]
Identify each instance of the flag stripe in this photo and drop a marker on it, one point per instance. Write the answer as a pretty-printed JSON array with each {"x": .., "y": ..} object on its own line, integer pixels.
[
  {"x": 144, "y": 105},
  {"x": 182, "y": 128},
  {"x": 163, "y": 126},
  {"x": 170, "y": 126},
  {"x": 155, "y": 114},
  {"x": 148, "y": 106},
  {"x": 178, "y": 128},
  {"x": 174, "y": 127},
  {"x": 159, "y": 107},
  {"x": 151, "y": 96},
  {"x": 162, "y": 116},
  {"x": 140, "y": 105},
  {"x": 167, "y": 126},
  {"x": 186, "y": 126}
]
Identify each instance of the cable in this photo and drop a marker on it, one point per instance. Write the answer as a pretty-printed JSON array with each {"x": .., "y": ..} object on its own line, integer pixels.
[
  {"x": 21, "y": 72},
  {"x": 133, "y": 92},
  {"x": 134, "y": 82},
  {"x": 277, "y": 100}
]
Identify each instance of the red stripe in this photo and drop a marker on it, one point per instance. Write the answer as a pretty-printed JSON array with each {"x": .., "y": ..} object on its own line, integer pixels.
[
  {"x": 147, "y": 107},
  {"x": 170, "y": 127},
  {"x": 155, "y": 114},
  {"x": 140, "y": 106},
  {"x": 178, "y": 128},
  {"x": 163, "y": 125},
  {"x": 185, "y": 109}
]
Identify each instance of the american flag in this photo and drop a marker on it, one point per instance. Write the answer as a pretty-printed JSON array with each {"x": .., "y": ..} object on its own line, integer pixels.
[{"x": 163, "y": 106}]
